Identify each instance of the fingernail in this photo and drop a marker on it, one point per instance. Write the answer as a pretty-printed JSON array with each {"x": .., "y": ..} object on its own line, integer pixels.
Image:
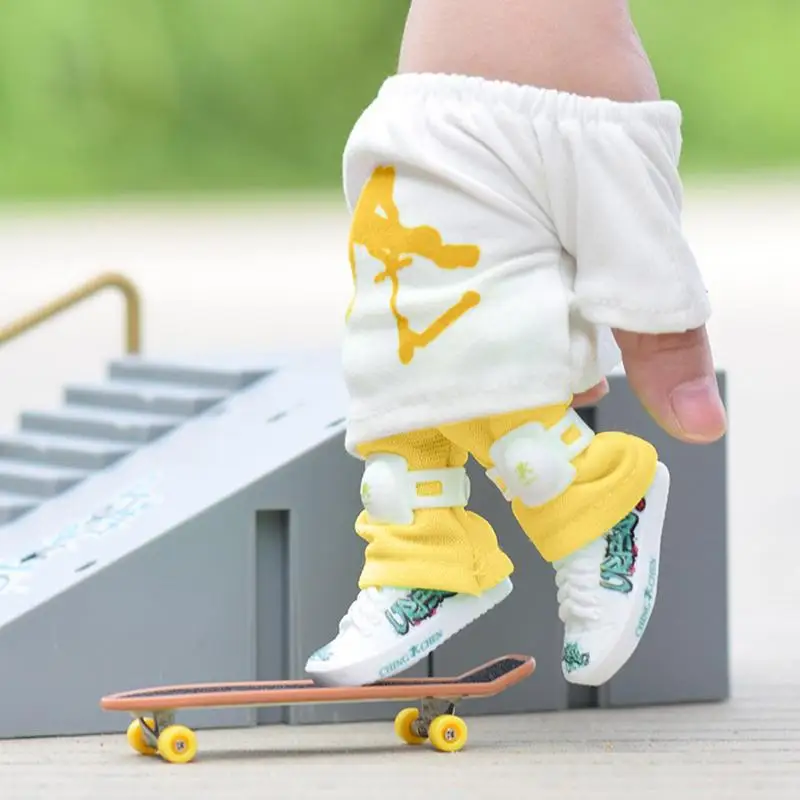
[{"x": 698, "y": 409}]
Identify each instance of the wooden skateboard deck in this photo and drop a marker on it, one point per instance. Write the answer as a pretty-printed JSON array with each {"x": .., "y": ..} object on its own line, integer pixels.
[{"x": 153, "y": 730}]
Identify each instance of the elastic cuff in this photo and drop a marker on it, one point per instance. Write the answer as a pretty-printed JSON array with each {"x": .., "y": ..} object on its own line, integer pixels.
[{"x": 527, "y": 100}]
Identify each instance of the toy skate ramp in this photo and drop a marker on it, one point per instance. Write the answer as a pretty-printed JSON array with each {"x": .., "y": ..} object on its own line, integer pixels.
[
  {"x": 219, "y": 547},
  {"x": 147, "y": 570}
]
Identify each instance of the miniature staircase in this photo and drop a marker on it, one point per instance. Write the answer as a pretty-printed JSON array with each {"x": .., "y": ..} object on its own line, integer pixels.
[
  {"x": 100, "y": 424},
  {"x": 192, "y": 520}
]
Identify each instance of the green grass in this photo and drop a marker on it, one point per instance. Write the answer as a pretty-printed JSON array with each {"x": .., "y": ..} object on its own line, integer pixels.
[
  {"x": 733, "y": 66},
  {"x": 99, "y": 97}
]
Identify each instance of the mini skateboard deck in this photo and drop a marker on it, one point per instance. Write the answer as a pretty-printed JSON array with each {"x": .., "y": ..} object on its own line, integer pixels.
[{"x": 153, "y": 730}]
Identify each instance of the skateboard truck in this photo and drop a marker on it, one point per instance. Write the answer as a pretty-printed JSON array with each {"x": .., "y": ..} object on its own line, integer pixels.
[
  {"x": 430, "y": 709},
  {"x": 151, "y": 727}
]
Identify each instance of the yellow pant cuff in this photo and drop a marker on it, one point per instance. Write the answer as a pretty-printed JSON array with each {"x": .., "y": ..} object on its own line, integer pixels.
[{"x": 601, "y": 517}]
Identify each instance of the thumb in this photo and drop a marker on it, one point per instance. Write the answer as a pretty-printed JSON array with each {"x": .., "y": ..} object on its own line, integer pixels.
[{"x": 673, "y": 376}]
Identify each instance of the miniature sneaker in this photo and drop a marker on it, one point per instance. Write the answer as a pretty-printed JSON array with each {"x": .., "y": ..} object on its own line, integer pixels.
[
  {"x": 386, "y": 631},
  {"x": 606, "y": 591}
]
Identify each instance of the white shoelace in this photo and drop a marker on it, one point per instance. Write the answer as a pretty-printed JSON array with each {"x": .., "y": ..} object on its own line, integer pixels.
[
  {"x": 576, "y": 579},
  {"x": 364, "y": 613}
]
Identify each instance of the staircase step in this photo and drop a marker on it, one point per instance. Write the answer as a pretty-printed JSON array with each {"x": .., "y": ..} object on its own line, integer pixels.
[
  {"x": 18, "y": 477},
  {"x": 15, "y": 505},
  {"x": 63, "y": 451},
  {"x": 134, "y": 368},
  {"x": 117, "y": 426},
  {"x": 156, "y": 398}
]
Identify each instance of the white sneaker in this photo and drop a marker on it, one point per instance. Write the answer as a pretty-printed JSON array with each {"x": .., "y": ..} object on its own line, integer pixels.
[
  {"x": 607, "y": 590},
  {"x": 387, "y": 631}
]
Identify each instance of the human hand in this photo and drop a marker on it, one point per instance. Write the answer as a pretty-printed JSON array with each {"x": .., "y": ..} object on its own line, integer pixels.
[{"x": 672, "y": 375}]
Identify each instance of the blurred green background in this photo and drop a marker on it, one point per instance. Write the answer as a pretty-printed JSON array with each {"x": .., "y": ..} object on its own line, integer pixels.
[{"x": 101, "y": 97}]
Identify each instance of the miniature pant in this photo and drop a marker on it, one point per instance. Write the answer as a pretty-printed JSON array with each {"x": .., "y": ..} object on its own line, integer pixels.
[
  {"x": 452, "y": 549},
  {"x": 499, "y": 233}
]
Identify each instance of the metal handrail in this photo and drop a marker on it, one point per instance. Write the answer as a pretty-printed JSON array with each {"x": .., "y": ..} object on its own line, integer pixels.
[{"x": 108, "y": 280}]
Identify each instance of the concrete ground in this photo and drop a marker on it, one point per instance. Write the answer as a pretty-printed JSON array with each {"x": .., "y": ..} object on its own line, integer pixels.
[{"x": 255, "y": 277}]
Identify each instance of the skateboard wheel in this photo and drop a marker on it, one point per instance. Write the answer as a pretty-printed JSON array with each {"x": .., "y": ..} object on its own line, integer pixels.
[
  {"x": 404, "y": 726},
  {"x": 136, "y": 738},
  {"x": 177, "y": 744},
  {"x": 448, "y": 733}
]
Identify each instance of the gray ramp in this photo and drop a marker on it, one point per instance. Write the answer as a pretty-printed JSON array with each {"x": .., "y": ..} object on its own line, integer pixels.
[
  {"x": 148, "y": 571},
  {"x": 224, "y": 550}
]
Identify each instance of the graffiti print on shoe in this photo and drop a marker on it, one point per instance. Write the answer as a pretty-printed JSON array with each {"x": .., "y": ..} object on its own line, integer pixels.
[
  {"x": 386, "y": 631},
  {"x": 607, "y": 590}
]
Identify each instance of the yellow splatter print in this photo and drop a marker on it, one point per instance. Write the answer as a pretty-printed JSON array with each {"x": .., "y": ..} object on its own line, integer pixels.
[{"x": 376, "y": 226}]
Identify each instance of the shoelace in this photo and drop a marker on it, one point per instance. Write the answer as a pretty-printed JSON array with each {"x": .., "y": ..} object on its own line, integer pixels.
[
  {"x": 576, "y": 579},
  {"x": 364, "y": 612}
]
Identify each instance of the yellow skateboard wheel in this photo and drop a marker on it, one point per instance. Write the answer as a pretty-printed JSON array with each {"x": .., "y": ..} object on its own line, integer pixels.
[
  {"x": 448, "y": 733},
  {"x": 136, "y": 738},
  {"x": 177, "y": 744},
  {"x": 404, "y": 726}
]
